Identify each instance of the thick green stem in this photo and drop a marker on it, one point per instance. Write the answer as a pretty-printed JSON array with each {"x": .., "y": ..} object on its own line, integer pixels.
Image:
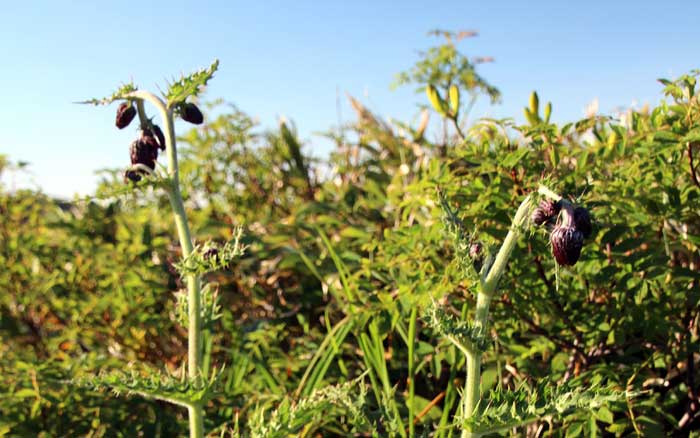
[
  {"x": 499, "y": 264},
  {"x": 473, "y": 386},
  {"x": 472, "y": 390},
  {"x": 194, "y": 332},
  {"x": 196, "y": 421}
]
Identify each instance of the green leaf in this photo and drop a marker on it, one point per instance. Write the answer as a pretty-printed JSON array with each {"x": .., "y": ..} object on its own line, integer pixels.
[
  {"x": 26, "y": 392},
  {"x": 190, "y": 86},
  {"x": 121, "y": 94},
  {"x": 605, "y": 415}
]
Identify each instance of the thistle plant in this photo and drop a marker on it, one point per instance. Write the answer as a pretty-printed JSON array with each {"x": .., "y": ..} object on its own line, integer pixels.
[
  {"x": 199, "y": 305},
  {"x": 569, "y": 226}
]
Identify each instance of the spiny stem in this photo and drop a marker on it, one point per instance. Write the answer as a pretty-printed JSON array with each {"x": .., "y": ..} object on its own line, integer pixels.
[
  {"x": 499, "y": 264},
  {"x": 194, "y": 330},
  {"x": 487, "y": 289}
]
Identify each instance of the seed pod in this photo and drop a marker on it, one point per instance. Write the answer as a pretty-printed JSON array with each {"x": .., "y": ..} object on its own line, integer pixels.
[
  {"x": 436, "y": 101},
  {"x": 530, "y": 117},
  {"x": 547, "y": 112},
  {"x": 453, "y": 94},
  {"x": 546, "y": 212},
  {"x": 566, "y": 245},
  {"x": 582, "y": 221},
  {"x": 125, "y": 114},
  {"x": 190, "y": 113},
  {"x": 535, "y": 104}
]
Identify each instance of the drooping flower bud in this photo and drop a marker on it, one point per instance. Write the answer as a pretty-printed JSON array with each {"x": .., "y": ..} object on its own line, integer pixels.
[
  {"x": 159, "y": 136},
  {"x": 143, "y": 152},
  {"x": 149, "y": 138},
  {"x": 190, "y": 113},
  {"x": 566, "y": 245},
  {"x": 582, "y": 221},
  {"x": 125, "y": 114},
  {"x": 566, "y": 239},
  {"x": 132, "y": 175},
  {"x": 546, "y": 212}
]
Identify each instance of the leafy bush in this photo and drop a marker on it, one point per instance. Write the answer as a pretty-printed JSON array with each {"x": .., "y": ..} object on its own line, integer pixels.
[{"x": 346, "y": 258}]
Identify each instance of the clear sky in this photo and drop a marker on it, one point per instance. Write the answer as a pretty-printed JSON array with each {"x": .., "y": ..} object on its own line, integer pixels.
[{"x": 292, "y": 58}]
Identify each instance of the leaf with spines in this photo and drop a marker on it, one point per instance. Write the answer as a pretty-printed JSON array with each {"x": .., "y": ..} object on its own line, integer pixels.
[
  {"x": 505, "y": 409},
  {"x": 466, "y": 336},
  {"x": 191, "y": 85},
  {"x": 153, "y": 384},
  {"x": 210, "y": 306},
  {"x": 461, "y": 238},
  {"x": 211, "y": 257},
  {"x": 302, "y": 417},
  {"x": 121, "y": 94}
]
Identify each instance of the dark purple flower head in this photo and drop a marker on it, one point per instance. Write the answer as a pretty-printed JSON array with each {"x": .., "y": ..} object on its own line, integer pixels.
[
  {"x": 582, "y": 221},
  {"x": 155, "y": 132},
  {"x": 546, "y": 212},
  {"x": 566, "y": 244},
  {"x": 132, "y": 175},
  {"x": 125, "y": 114},
  {"x": 143, "y": 151},
  {"x": 191, "y": 113}
]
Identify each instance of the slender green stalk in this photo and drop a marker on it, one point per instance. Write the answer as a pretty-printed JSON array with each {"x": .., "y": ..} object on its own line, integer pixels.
[
  {"x": 411, "y": 370},
  {"x": 194, "y": 331},
  {"x": 196, "y": 415},
  {"x": 499, "y": 264},
  {"x": 472, "y": 387},
  {"x": 472, "y": 390}
]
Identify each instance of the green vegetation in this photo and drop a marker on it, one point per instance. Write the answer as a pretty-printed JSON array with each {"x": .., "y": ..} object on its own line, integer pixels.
[{"x": 350, "y": 295}]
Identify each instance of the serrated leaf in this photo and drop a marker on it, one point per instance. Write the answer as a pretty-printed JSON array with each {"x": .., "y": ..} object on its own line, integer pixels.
[
  {"x": 504, "y": 409},
  {"x": 191, "y": 85},
  {"x": 120, "y": 94}
]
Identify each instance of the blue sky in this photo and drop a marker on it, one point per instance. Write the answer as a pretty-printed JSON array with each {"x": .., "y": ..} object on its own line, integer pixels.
[{"x": 291, "y": 58}]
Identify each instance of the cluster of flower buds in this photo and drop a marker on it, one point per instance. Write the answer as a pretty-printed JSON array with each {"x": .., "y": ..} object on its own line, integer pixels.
[
  {"x": 569, "y": 225},
  {"x": 144, "y": 150}
]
